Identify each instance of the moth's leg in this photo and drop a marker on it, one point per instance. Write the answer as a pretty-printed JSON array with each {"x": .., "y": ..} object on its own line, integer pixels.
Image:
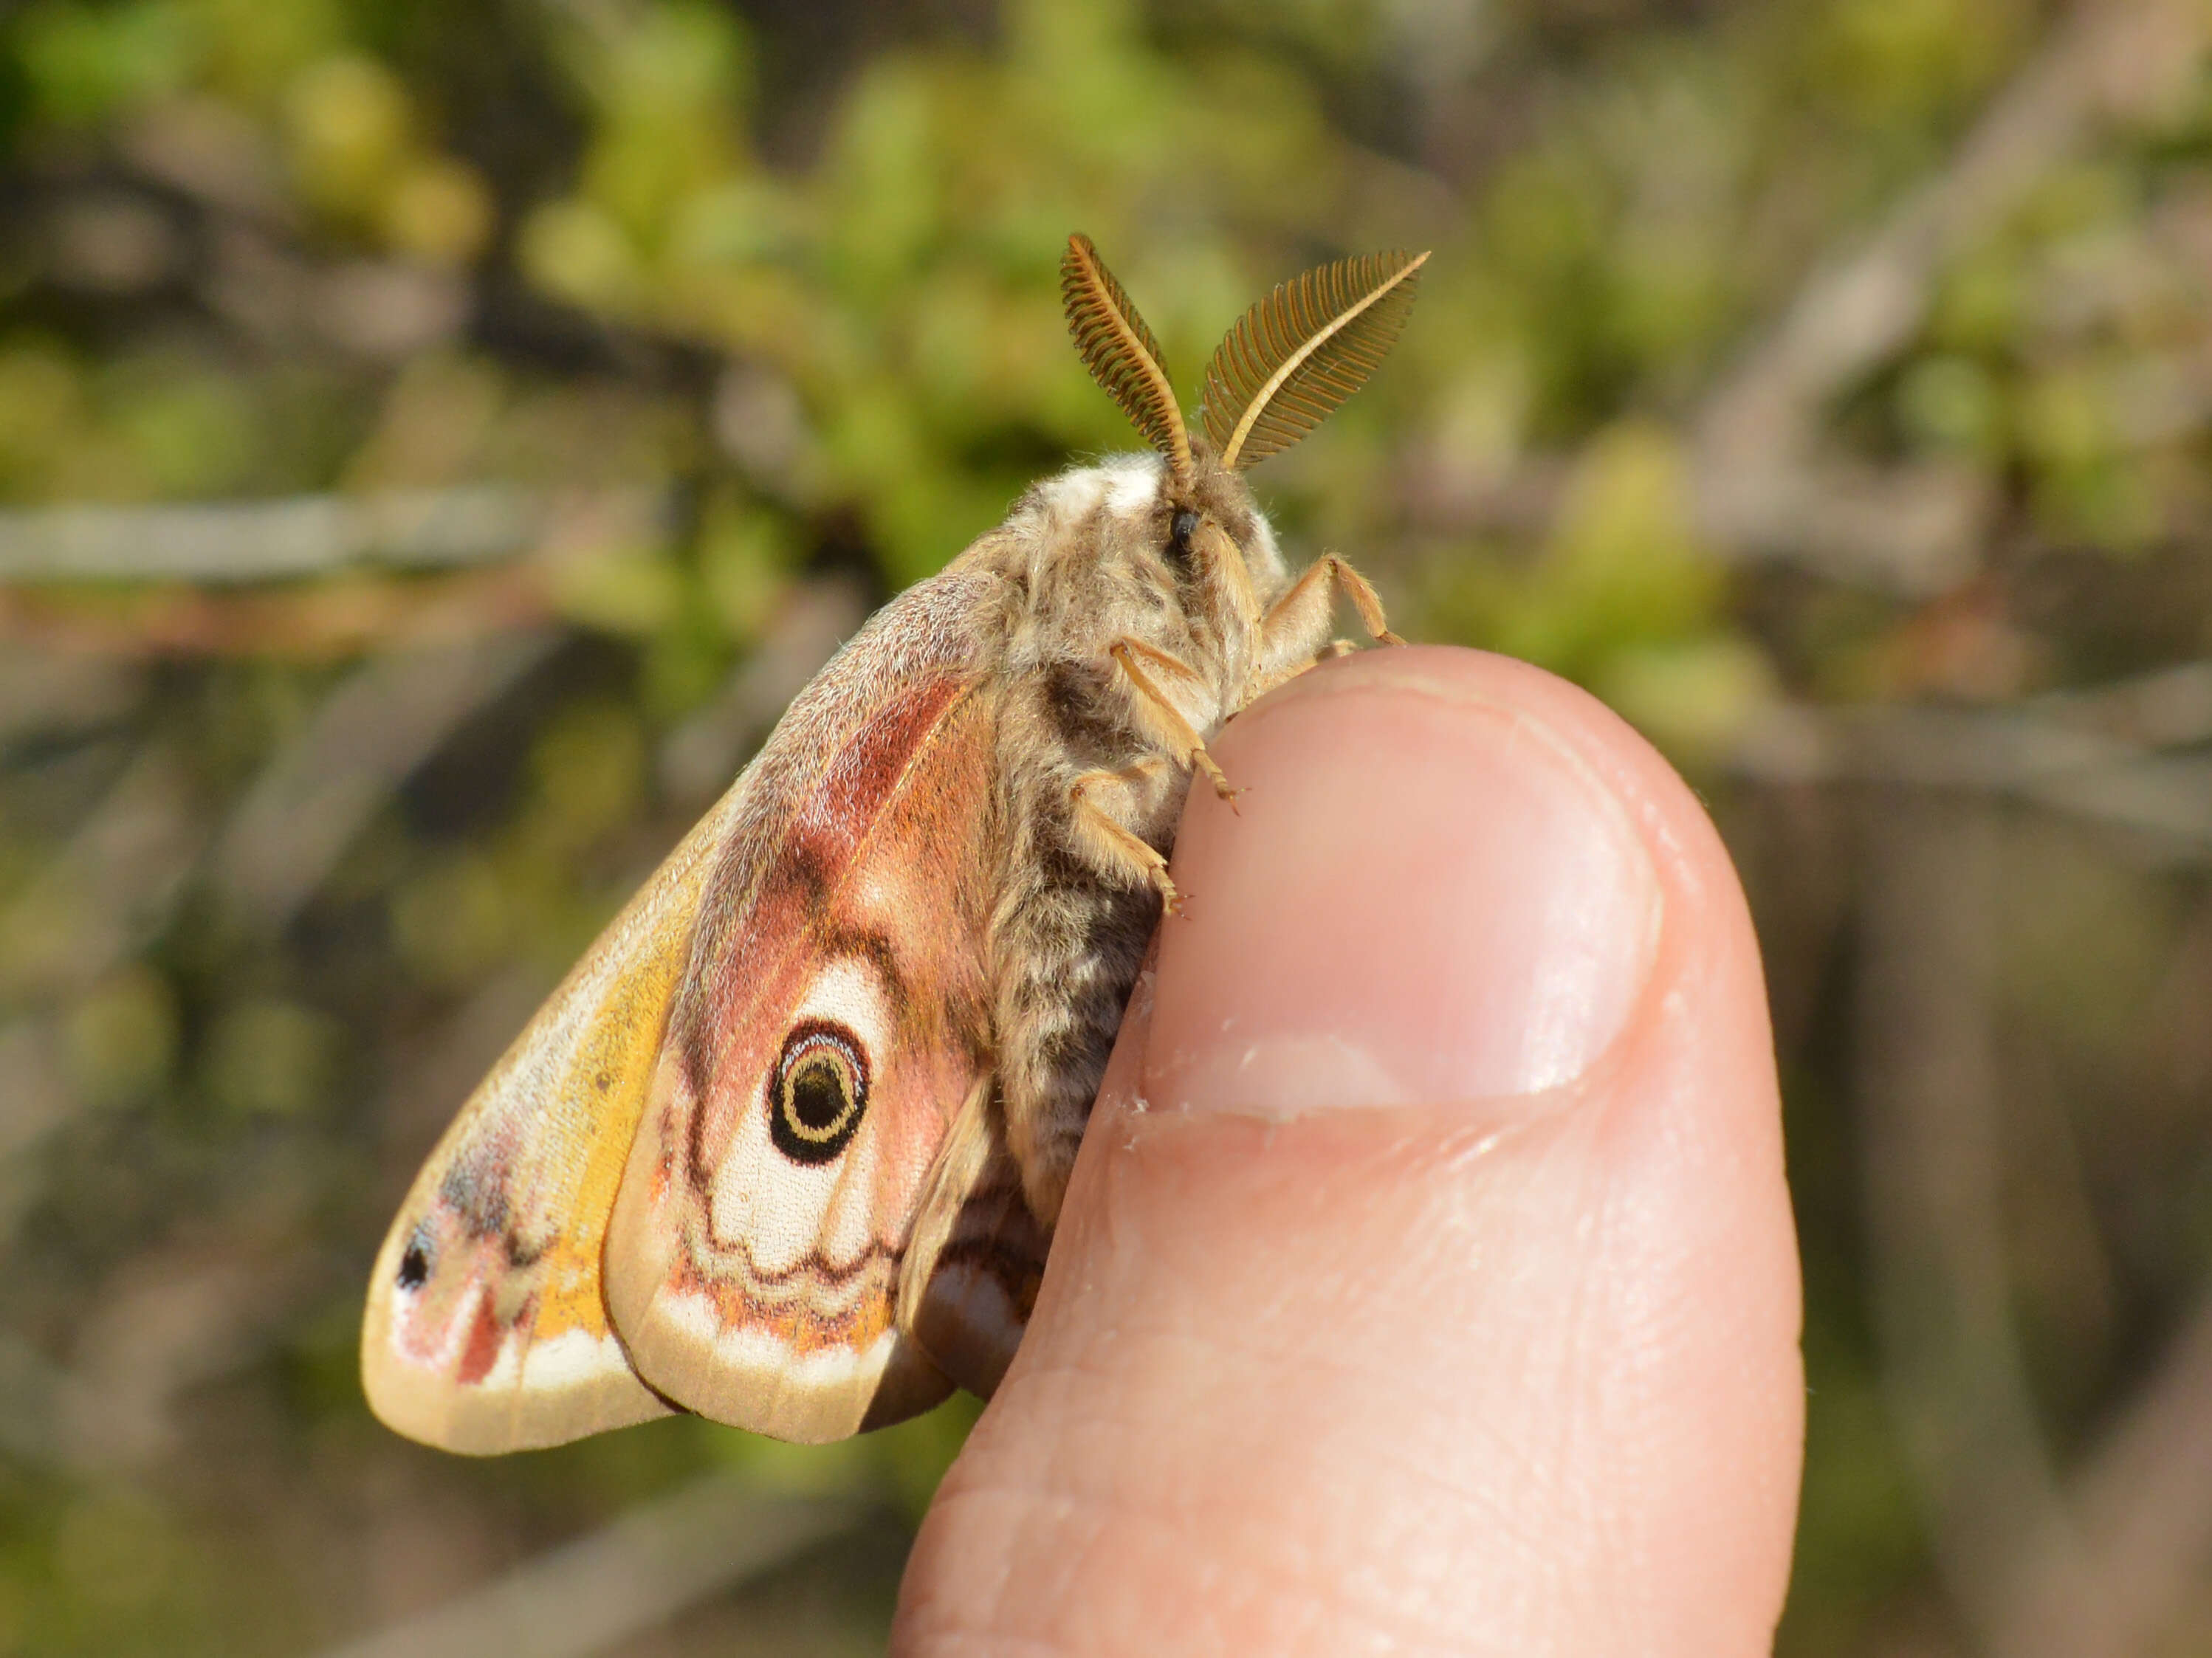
[
  {"x": 1354, "y": 585},
  {"x": 1110, "y": 844},
  {"x": 1294, "y": 635},
  {"x": 1163, "y": 720}
]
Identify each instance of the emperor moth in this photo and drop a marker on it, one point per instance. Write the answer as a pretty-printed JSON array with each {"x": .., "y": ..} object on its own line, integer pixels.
[{"x": 787, "y": 1145}]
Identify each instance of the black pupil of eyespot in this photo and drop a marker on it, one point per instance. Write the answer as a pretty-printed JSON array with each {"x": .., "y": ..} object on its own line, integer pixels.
[
  {"x": 817, "y": 1094},
  {"x": 414, "y": 1267}
]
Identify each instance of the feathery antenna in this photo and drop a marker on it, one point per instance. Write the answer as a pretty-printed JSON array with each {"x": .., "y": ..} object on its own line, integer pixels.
[
  {"x": 1303, "y": 350},
  {"x": 1120, "y": 352}
]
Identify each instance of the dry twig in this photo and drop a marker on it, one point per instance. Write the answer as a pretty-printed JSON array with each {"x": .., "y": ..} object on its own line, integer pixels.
[
  {"x": 1931, "y": 1117},
  {"x": 227, "y": 543},
  {"x": 700, "y": 756},
  {"x": 1764, "y": 486},
  {"x": 2051, "y": 754},
  {"x": 1763, "y": 489},
  {"x": 630, "y": 1576},
  {"x": 369, "y": 737}
]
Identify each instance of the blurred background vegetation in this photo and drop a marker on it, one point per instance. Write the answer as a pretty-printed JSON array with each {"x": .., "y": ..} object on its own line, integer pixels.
[{"x": 436, "y": 439}]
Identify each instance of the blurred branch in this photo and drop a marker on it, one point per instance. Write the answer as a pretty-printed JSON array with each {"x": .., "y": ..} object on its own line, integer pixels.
[
  {"x": 35, "y": 1099},
  {"x": 700, "y": 756},
  {"x": 2049, "y": 753},
  {"x": 629, "y": 1577},
  {"x": 1763, "y": 491},
  {"x": 2104, "y": 1563},
  {"x": 369, "y": 737},
  {"x": 1929, "y": 1103},
  {"x": 109, "y": 888},
  {"x": 385, "y": 310},
  {"x": 2142, "y": 1506},
  {"x": 182, "y": 1313},
  {"x": 2165, "y": 708},
  {"x": 316, "y": 623},
  {"x": 235, "y": 541},
  {"x": 44, "y": 694}
]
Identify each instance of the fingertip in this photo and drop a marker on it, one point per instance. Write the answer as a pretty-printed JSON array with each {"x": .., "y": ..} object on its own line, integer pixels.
[
  {"x": 1430, "y": 895},
  {"x": 1496, "y": 1334}
]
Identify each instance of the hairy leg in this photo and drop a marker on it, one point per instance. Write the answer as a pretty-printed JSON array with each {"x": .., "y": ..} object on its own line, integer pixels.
[
  {"x": 1144, "y": 669},
  {"x": 1099, "y": 803},
  {"x": 1294, "y": 634}
]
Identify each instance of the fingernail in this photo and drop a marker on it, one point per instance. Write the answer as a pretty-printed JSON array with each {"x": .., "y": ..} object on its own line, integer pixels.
[{"x": 1429, "y": 895}]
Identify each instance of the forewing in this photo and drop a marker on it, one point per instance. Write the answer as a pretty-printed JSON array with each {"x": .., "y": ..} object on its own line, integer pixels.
[
  {"x": 487, "y": 1327},
  {"x": 836, "y": 1016}
]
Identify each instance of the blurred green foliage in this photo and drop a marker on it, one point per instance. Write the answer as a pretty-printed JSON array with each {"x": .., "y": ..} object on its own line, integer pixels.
[{"x": 792, "y": 272}]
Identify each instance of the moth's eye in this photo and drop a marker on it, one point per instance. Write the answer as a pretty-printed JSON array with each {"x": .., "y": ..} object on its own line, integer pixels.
[
  {"x": 818, "y": 1093},
  {"x": 1179, "y": 535}
]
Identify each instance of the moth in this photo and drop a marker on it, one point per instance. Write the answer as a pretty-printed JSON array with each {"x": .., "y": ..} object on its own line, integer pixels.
[{"x": 787, "y": 1147}]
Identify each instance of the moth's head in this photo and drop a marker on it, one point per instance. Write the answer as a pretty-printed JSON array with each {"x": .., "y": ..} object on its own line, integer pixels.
[
  {"x": 1289, "y": 359},
  {"x": 1131, "y": 513}
]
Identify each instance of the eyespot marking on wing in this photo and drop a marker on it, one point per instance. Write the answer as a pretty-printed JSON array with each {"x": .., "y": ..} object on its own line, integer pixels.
[
  {"x": 819, "y": 1091},
  {"x": 458, "y": 1295},
  {"x": 820, "y": 1198},
  {"x": 837, "y": 1005}
]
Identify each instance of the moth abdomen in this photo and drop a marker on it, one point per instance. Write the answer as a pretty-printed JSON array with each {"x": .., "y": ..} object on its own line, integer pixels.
[{"x": 1067, "y": 943}]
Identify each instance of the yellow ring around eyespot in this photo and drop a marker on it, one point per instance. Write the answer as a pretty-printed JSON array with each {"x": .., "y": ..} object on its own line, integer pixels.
[{"x": 847, "y": 1084}]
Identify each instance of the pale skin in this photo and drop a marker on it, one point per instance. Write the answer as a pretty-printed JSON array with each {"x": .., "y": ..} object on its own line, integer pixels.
[{"x": 1427, "y": 1279}]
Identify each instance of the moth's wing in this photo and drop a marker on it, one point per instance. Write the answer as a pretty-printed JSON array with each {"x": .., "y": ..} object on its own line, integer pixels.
[
  {"x": 754, "y": 1259},
  {"x": 976, "y": 1259},
  {"x": 487, "y": 1327}
]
